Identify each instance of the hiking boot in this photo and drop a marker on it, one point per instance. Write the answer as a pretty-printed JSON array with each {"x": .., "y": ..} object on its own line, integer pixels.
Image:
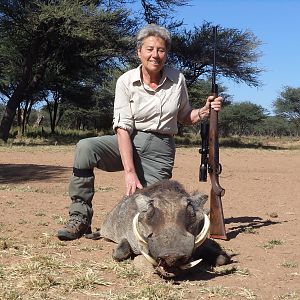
[{"x": 76, "y": 227}]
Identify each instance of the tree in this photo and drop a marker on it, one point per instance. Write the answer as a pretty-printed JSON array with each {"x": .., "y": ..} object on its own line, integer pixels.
[
  {"x": 87, "y": 106},
  {"x": 160, "y": 12},
  {"x": 274, "y": 126},
  {"x": 237, "y": 54},
  {"x": 66, "y": 38},
  {"x": 241, "y": 118},
  {"x": 287, "y": 105}
]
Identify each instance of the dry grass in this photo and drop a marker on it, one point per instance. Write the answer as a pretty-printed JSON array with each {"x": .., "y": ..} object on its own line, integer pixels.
[
  {"x": 45, "y": 268},
  {"x": 43, "y": 271}
]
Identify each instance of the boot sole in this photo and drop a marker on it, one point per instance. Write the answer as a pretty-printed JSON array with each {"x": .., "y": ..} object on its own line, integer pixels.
[{"x": 66, "y": 237}]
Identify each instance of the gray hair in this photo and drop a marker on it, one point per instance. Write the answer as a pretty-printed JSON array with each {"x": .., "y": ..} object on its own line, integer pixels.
[{"x": 153, "y": 30}]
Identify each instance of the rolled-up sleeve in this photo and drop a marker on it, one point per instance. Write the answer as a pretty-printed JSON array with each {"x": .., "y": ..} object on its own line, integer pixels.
[
  {"x": 123, "y": 117},
  {"x": 185, "y": 106}
]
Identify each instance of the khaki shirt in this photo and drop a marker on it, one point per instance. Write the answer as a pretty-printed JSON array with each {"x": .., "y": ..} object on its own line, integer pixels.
[{"x": 139, "y": 107}]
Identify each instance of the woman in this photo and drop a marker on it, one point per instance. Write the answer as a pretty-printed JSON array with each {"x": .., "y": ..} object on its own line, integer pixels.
[{"x": 149, "y": 101}]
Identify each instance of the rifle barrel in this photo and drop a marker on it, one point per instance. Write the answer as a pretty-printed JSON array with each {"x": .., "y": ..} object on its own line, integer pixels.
[{"x": 216, "y": 210}]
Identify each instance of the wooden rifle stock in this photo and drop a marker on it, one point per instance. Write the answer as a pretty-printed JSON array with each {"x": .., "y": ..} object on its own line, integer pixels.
[
  {"x": 214, "y": 168},
  {"x": 217, "y": 227}
]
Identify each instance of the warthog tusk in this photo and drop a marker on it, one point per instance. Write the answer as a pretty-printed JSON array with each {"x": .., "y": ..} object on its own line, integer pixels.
[
  {"x": 150, "y": 259},
  {"x": 190, "y": 264},
  {"x": 135, "y": 230},
  {"x": 201, "y": 237},
  {"x": 140, "y": 239}
]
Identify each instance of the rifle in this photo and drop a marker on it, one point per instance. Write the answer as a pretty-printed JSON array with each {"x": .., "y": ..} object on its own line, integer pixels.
[{"x": 210, "y": 160}]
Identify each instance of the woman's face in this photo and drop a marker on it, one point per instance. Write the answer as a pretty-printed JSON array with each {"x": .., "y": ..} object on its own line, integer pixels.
[{"x": 153, "y": 54}]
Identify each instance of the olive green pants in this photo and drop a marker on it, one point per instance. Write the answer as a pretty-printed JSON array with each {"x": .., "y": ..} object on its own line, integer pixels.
[{"x": 153, "y": 158}]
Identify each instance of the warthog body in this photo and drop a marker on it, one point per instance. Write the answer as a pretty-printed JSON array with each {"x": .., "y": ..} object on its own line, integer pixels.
[{"x": 166, "y": 225}]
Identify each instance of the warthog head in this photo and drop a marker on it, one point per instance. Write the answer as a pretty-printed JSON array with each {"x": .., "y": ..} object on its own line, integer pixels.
[{"x": 170, "y": 228}]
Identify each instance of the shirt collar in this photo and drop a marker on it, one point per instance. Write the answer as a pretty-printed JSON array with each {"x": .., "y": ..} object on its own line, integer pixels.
[
  {"x": 167, "y": 72},
  {"x": 136, "y": 76}
]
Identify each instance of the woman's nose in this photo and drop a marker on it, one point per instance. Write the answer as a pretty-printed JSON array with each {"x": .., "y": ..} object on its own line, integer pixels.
[{"x": 155, "y": 53}]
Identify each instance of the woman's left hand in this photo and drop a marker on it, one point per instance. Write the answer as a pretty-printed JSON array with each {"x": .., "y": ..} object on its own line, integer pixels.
[
  {"x": 215, "y": 103},
  {"x": 211, "y": 102}
]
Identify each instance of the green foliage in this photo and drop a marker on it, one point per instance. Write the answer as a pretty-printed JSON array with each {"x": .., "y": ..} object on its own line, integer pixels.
[
  {"x": 274, "y": 126},
  {"x": 54, "y": 46},
  {"x": 86, "y": 119},
  {"x": 160, "y": 12},
  {"x": 241, "y": 118},
  {"x": 199, "y": 92},
  {"x": 237, "y": 53},
  {"x": 287, "y": 105},
  {"x": 43, "y": 136},
  {"x": 201, "y": 89}
]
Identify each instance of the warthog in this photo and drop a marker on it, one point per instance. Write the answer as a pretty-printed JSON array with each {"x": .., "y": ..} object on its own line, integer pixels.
[{"x": 166, "y": 225}]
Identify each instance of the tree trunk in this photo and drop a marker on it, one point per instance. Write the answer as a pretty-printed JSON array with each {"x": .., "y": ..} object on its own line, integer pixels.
[
  {"x": 10, "y": 110},
  {"x": 55, "y": 108},
  {"x": 19, "y": 120},
  {"x": 21, "y": 91},
  {"x": 29, "y": 109},
  {"x": 24, "y": 118},
  {"x": 6, "y": 122},
  {"x": 29, "y": 80}
]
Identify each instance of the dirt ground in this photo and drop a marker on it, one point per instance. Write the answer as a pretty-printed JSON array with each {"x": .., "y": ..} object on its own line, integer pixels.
[{"x": 261, "y": 208}]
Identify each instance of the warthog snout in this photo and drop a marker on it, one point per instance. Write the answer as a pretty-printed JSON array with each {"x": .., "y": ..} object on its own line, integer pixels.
[{"x": 172, "y": 260}]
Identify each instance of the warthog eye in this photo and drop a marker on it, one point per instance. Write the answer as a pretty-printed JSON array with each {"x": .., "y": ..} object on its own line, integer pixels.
[
  {"x": 153, "y": 217},
  {"x": 150, "y": 212}
]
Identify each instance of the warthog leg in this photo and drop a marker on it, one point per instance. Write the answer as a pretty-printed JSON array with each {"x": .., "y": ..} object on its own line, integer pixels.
[{"x": 122, "y": 251}]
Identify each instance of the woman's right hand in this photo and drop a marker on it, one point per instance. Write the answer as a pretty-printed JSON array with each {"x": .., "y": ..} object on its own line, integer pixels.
[{"x": 131, "y": 183}]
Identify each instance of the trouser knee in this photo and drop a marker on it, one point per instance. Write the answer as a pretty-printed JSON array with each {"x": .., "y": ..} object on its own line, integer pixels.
[{"x": 85, "y": 157}]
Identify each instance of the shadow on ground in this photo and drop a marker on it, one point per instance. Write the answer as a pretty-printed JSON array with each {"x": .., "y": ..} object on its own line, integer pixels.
[
  {"x": 18, "y": 173},
  {"x": 250, "y": 224}
]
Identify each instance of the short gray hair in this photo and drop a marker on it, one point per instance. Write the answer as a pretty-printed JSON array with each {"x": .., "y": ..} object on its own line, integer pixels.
[{"x": 153, "y": 30}]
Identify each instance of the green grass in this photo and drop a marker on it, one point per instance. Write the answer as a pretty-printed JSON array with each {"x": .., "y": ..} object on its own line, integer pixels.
[
  {"x": 289, "y": 264},
  {"x": 289, "y": 295},
  {"x": 250, "y": 230},
  {"x": 21, "y": 188},
  {"x": 229, "y": 270},
  {"x": 272, "y": 243},
  {"x": 124, "y": 269},
  {"x": 37, "y": 136},
  {"x": 104, "y": 189},
  {"x": 43, "y": 136}
]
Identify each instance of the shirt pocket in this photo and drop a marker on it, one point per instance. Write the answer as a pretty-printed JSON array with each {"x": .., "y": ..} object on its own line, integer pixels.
[{"x": 145, "y": 107}]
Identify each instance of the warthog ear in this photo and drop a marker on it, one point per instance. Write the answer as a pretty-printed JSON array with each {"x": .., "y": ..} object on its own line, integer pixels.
[
  {"x": 143, "y": 202},
  {"x": 198, "y": 200}
]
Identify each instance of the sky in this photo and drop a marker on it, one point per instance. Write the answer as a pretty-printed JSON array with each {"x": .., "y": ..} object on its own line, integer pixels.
[{"x": 275, "y": 23}]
